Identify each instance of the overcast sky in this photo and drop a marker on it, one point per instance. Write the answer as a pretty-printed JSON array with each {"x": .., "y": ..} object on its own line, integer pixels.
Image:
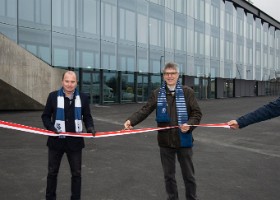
[{"x": 271, "y": 7}]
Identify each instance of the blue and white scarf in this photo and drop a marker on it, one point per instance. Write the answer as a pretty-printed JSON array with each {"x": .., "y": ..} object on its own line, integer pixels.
[
  {"x": 60, "y": 118},
  {"x": 162, "y": 115}
]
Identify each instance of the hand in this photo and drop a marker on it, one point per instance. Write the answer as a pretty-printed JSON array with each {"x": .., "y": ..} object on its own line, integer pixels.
[
  {"x": 233, "y": 124},
  {"x": 127, "y": 125},
  {"x": 185, "y": 128},
  {"x": 54, "y": 130},
  {"x": 92, "y": 131}
]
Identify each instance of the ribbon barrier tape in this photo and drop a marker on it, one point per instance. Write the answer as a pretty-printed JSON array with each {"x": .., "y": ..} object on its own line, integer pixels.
[
  {"x": 220, "y": 125},
  {"x": 29, "y": 129}
]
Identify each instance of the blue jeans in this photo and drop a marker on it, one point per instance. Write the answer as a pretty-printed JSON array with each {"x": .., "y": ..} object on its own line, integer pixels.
[
  {"x": 75, "y": 162},
  {"x": 168, "y": 159}
]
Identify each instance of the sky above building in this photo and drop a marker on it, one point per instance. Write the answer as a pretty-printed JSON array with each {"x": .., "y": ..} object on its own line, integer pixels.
[{"x": 270, "y": 7}]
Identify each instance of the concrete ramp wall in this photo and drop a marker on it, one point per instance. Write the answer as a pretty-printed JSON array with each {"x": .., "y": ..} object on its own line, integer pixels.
[{"x": 25, "y": 80}]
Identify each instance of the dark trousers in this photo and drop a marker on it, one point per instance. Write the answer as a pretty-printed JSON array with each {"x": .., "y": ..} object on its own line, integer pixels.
[
  {"x": 168, "y": 159},
  {"x": 75, "y": 162}
]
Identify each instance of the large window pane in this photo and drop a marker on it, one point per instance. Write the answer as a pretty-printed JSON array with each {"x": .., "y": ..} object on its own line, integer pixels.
[
  {"x": 63, "y": 16},
  {"x": 37, "y": 42},
  {"x": 63, "y": 50},
  {"x": 142, "y": 88},
  {"x": 169, "y": 30},
  {"x": 35, "y": 14},
  {"x": 108, "y": 56},
  {"x": 109, "y": 20},
  {"x": 156, "y": 25},
  {"x": 91, "y": 86},
  {"x": 156, "y": 62},
  {"x": 88, "y": 53},
  {"x": 156, "y": 33},
  {"x": 127, "y": 88},
  {"x": 88, "y": 18},
  {"x": 9, "y": 31},
  {"x": 110, "y": 87},
  {"x": 142, "y": 58},
  {"x": 155, "y": 82},
  {"x": 8, "y": 11},
  {"x": 127, "y": 25},
  {"x": 126, "y": 58}
]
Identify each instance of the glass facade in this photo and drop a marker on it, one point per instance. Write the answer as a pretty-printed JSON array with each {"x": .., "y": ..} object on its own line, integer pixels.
[{"x": 120, "y": 46}]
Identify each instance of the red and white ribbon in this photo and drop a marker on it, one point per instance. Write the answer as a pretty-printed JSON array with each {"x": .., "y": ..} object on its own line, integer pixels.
[
  {"x": 29, "y": 129},
  {"x": 220, "y": 125}
]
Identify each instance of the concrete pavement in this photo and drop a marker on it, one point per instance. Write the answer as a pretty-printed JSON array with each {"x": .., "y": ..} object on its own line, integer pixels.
[{"x": 230, "y": 165}]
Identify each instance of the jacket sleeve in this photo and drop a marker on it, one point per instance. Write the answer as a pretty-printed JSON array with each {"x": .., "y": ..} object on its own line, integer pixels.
[
  {"x": 87, "y": 118},
  {"x": 145, "y": 111},
  {"x": 195, "y": 114},
  {"x": 268, "y": 111},
  {"x": 48, "y": 113}
]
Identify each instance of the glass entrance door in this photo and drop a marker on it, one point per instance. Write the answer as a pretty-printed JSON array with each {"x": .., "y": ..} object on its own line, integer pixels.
[
  {"x": 142, "y": 88},
  {"x": 91, "y": 85}
]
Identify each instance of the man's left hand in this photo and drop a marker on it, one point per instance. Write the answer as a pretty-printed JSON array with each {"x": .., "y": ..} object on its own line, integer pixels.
[{"x": 185, "y": 128}]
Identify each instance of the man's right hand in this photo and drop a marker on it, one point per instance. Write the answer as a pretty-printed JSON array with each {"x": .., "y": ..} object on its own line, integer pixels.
[
  {"x": 54, "y": 130},
  {"x": 127, "y": 125}
]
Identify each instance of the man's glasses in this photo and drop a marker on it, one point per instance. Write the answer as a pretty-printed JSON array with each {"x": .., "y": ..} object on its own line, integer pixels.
[{"x": 170, "y": 73}]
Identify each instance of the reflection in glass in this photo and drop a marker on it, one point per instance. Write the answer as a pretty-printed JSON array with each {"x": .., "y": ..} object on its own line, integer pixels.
[
  {"x": 8, "y": 12},
  {"x": 126, "y": 58},
  {"x": 88, "y": 53},
  {"x": 142, "y": 88},
  {"x": 110, "y": 87},
  {"x": 91, "y": 85},
  {"x": 142, "y": 59},
  {"x": 36, "y": 14},
  {"x": 127, "y": 25},
  {"x": 63, "y": 16},
  {"x": 63, "y": 50},
  {"x": 109, "y": 20},
  {"x": 127, "y": 87},
  {"x": 108, "y": 56},
  {"x": 37, "y": 42},
  {"x": 9, "y": 31},
  {"x": 155, "y": 82},
  {"x": 88, "y": 19}
]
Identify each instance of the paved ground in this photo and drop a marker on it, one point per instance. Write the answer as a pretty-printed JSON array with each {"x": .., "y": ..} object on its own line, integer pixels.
[{"x": 229, "y": 164}]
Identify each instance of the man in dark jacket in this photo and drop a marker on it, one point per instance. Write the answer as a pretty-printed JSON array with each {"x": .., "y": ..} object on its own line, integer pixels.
[
  {"x": 175, "y": 105},
  {"x": 64, "y": 112},
  {"x": 268, "y": 111}
]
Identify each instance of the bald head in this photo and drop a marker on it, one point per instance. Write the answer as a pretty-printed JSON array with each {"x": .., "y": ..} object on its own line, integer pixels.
[{"x": 70, "y": 73}]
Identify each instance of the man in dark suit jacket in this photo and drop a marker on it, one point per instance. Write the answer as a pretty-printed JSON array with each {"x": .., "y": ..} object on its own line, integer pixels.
[{"x": 64, "y": 112}]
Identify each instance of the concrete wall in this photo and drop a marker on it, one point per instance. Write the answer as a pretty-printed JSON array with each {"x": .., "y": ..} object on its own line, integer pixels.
[
  {"x": 219, "y": 88},
  {"x": 261, "y": 88},
  {"x": 29, "y": 76},
  {"x": 244, "y": 88}
]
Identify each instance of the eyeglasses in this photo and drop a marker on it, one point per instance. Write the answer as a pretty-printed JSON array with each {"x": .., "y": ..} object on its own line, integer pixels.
[{"x": 170, "y": 73}]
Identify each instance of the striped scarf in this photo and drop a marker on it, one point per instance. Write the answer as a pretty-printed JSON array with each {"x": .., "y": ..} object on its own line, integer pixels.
[
  {"x": 182, "y": 113},
  {"x": 60, "y": 118}
]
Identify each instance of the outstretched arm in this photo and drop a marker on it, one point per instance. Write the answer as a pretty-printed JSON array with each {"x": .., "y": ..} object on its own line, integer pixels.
[{"x": 268, "y": 111}]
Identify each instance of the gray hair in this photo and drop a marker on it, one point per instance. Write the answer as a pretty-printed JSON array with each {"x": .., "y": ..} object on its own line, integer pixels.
[{"x": 171, "y": 65}]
